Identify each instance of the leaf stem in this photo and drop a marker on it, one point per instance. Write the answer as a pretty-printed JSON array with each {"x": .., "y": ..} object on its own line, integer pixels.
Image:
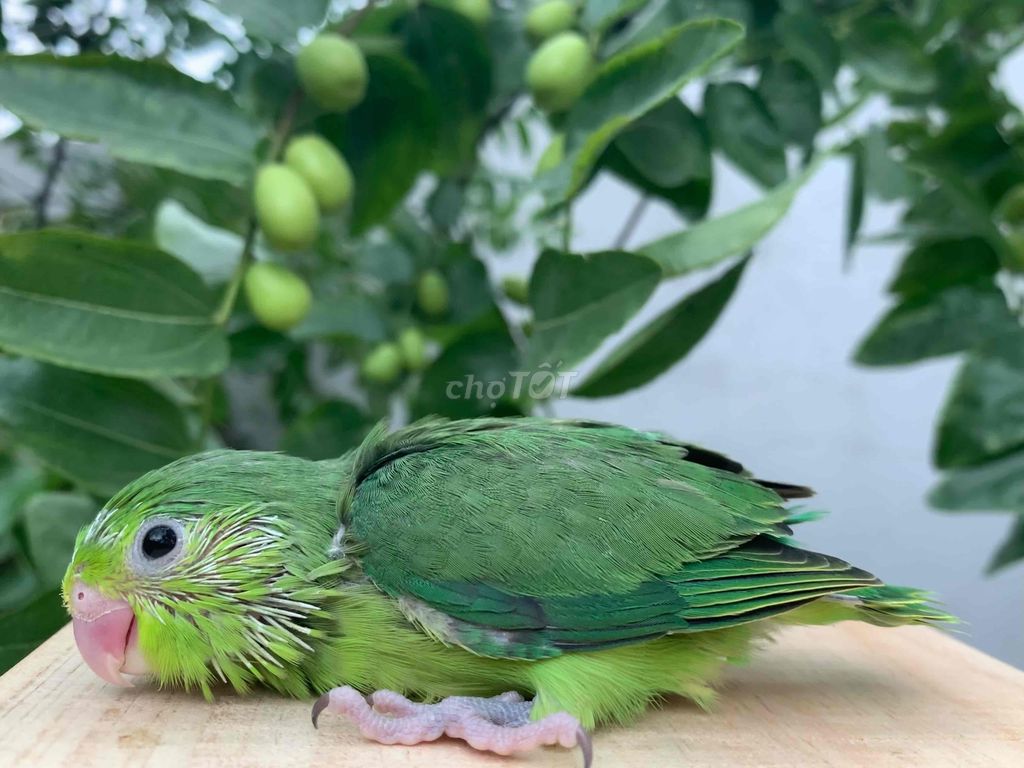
[
  {"x": 349, "y": 24},
  {"x": 231, "y": 292},
  {"x": 630, "y": 225}
]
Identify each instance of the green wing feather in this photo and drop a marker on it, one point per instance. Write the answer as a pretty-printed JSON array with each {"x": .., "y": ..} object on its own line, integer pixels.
[{"x": 527, "y": 538}]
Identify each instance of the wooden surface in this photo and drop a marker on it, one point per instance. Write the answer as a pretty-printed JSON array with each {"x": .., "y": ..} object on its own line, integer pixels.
[{"x": 850, "y": 695}]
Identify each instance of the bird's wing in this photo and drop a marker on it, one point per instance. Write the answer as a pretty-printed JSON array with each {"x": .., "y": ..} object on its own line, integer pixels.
[{"x": 528, "y": 537}]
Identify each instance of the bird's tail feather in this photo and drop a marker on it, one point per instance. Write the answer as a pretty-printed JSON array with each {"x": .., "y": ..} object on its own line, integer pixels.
[{"x": 884, "y": 606}]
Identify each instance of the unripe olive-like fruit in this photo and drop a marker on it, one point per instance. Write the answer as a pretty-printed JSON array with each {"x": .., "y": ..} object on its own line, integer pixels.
[
  {"x": 549, "y": 18},
  {"x": 432, "y": 293},
  {"x": 414, "y": 349},
  {"x": 383, "y": 365},
  {"x": 1011, "y": 207},
  {"x": 559, "y": 71},
  {"x": 333, "y": 72},
  {"x": 516, "y": 288},
  {"x": 324, "y": 169},
  {"x": 278, "y": 297},
  {"x": 477, "y": 11},
  {"x": 286, "y": 207}
]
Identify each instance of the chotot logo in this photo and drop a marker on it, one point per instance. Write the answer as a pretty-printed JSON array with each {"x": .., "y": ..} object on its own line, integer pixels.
[{"x": 545, "y": 383}]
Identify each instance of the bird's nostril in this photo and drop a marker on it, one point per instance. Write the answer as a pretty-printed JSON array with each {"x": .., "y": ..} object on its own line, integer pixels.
[{"x": 81, "y": 595}]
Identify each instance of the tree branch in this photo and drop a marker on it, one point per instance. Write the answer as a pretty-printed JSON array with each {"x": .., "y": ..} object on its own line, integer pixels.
[{"x": 42, "y": 200}]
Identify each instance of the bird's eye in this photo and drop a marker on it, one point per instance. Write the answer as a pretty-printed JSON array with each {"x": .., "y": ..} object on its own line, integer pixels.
[
  {"x": 159, "y": 541},
  {"x": 159, "y": 544}
]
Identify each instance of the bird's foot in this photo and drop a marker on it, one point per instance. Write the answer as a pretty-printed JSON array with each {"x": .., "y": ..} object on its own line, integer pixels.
[{"x": 499, "y": 724}]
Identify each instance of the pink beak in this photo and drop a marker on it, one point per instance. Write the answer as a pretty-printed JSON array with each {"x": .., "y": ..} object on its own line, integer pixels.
[{"x": 107, "y": 635}]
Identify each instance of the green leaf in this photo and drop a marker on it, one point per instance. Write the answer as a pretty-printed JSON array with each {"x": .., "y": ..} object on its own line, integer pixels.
[
  {"x": 470, "y": 378},
  {"x": 18, "y": 580},
  {"x": 662, "y": 342},
  {"x": 1012, "y": 548},
  {"x": 935, "y": 265},
  {"x": 810, "y": 42},
  {"x": 984, "y": 415},
  {"x": 18, "y": 481},
  {"x": 666, "y": 154},
  {"x": 451, "y": 52},
  {"x": 506, "y": 34},
  {"x": 469, "y": 290},
  {"x": 626, "y": 87},
  {"x": 99, "y": 432},
  {"x": 887, "y": 52},
  {"x": 141, "y": 110},
  {"x": 995, "y": 485},
  {"x": 388, "y": 140},
  {"x": 933, "y": 325},
  {"x": 656, "y": 17},
  {"x": 326, "y": 432},
  {"x": 745, "y": 131},
  {"x": 598, "y": 15},
  {"x": 107, "y": 306},
  {"x": 341, "y": 309},
  {"x": 274, "y": 21},
  {"x": 210, "y": 251},
  {"x": 52, "y": 521},
  {"x": 885, "y": 177},
  {"x": 386, "y": 261},
  {"x": 794, "y": 101},
  {"x": 691, "y": 199},
  {"x": 23, "y": 628},
  {"x": 579, "y": 300},
  {"x": 710, "y": 242},
  {"x": 667, "y": 146}
]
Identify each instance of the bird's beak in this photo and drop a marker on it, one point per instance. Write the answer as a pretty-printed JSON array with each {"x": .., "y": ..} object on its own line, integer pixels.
[{"x": 107, "y": 634}]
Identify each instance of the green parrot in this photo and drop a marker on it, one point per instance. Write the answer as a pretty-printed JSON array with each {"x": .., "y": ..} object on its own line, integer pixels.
[{"x": 521, "y": 580}]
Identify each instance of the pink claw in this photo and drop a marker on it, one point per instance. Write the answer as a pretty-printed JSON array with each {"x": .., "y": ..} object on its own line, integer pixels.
[{"x": 500, "y": 724}]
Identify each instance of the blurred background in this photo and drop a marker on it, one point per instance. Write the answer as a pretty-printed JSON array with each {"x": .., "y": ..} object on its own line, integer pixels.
[{"x": 867, "y": 154}]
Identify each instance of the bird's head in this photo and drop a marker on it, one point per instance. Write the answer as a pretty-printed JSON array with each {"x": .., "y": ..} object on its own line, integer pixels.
[{"x": 203, "y": 571}]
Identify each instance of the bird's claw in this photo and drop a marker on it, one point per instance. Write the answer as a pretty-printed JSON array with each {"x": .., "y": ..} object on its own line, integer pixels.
[{"x": 499, "y": 724}]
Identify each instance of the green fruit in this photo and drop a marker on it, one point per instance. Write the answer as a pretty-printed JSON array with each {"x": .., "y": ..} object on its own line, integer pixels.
[
  {"x": 383, "y": 365},
  {"x": 278, "y": 297},
  {"x": 286, "y": 208},
  {"x": 558, "y": 72},
  {"x": 432, "y": 293},
  {"x": 333, "y": 72},
  {"x": 549, "y": 18},
  {"x": 414, "y": 348},
  {"x": 516, "y": 288},
  {"x": 477, "y": 11},
  {"x": 1011, "y": 207},
  {"x": 552, "y": 155},
  {"x": 324, "y": 169}
]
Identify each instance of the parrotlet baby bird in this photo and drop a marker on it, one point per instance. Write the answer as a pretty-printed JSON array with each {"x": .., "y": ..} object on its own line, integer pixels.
[{"x": 509, "y": 582}]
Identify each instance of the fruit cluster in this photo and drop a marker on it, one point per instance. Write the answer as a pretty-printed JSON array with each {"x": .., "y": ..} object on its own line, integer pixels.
[
  {"x": 312, "y": 178},
  {"x": 386, "y": 361},
  {"x": 560, "y": 69}
]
